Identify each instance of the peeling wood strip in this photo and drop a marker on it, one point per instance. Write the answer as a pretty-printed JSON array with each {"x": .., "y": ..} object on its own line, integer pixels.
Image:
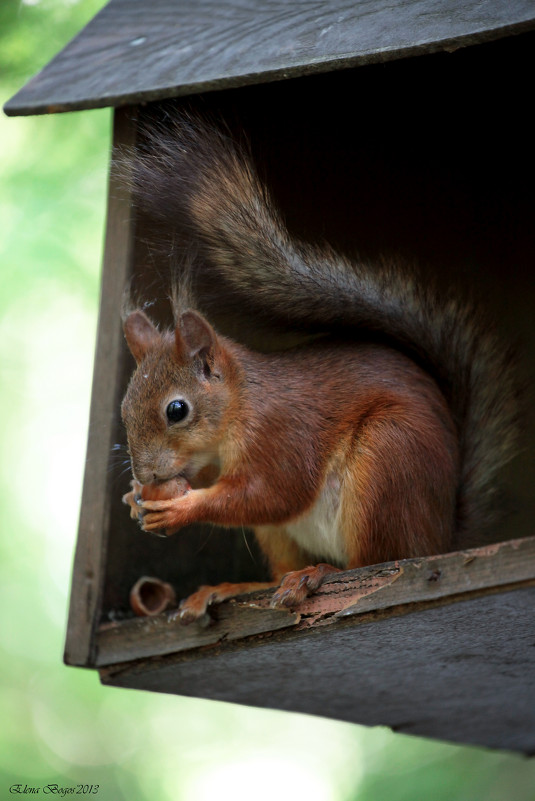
[{"x": 415, "y": 580}]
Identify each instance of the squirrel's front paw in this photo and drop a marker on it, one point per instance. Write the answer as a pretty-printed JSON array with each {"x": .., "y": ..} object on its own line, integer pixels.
[
  {"x": 152, "y": 505},
  {"x": 159, "y": 516},
  {"x": 163, "y": 506},
  {"x": 133, "y": 499}
]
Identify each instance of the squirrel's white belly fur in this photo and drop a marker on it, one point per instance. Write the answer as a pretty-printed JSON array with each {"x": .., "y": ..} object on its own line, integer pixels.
[{"x": 318, "y": 530}]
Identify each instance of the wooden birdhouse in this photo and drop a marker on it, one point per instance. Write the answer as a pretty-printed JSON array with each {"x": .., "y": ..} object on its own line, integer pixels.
[{"x": 384, "y": 128}]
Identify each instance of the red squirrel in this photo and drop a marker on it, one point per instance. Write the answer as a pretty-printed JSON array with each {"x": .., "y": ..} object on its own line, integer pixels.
[{"x": 338, "y": 454}]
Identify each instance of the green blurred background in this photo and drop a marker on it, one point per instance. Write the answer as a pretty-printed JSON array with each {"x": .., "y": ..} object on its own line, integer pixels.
[{"x": 59, "y": 726}]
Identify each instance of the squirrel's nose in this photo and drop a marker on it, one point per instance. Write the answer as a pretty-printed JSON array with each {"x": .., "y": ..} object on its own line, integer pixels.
[{"x": 159, "y": 476}]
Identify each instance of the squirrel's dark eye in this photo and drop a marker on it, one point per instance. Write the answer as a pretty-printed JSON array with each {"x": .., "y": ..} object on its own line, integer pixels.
[{"x": 176, "y": 411}]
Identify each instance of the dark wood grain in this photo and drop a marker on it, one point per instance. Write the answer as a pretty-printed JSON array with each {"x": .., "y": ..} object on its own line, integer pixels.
[
  {"x": 90, "y": 556},
  {"x": 135, "y": 51},
  {"x": 462, "y": 672}
]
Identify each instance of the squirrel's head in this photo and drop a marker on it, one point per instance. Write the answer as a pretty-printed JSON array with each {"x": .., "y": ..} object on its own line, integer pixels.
[{"x": 176, "y": 404}]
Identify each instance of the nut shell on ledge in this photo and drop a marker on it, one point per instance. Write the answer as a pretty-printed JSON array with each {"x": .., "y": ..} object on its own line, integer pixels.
[{"x": 151, "y": 596}]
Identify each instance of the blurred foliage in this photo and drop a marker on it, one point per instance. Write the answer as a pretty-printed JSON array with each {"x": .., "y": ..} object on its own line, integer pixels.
[
  {"x": 33, "y": 31},
  {"x": 60, "y": 725},
  {"x": 49, "y": 177}
]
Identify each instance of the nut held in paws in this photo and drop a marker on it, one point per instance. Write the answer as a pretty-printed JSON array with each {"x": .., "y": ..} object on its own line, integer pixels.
[{"x": 165, "y": 490}]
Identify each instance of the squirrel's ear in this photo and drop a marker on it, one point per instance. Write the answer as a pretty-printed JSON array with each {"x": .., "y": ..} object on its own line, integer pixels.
[
  {"x": 141, "y": 334},
  {"x": 194, "y": 336}
]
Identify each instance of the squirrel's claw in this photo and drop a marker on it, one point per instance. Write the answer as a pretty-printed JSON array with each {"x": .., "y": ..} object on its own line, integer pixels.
[
  {"x": 194, "y": 609},
  {"x": 133, "y": 499}
]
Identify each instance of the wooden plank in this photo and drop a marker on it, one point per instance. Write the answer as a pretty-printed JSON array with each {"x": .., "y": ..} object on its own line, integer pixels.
[
  {"x": 463, "y": 672},
  {"x": 94, "y": 516},
  {"x": 344, "y": 595},
  {"x": 145, "y": 637},
  {"x": 133, "y": 51}
]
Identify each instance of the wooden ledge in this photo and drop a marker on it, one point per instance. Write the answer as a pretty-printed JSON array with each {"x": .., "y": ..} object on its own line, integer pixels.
[{"x": 399, "y": 587}]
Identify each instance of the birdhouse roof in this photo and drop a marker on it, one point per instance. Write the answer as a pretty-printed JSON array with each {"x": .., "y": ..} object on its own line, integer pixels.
[{"x": 134, "y": 51}]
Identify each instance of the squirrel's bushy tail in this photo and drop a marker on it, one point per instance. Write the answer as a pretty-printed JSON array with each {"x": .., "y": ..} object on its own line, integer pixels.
[{"x": 194, "y": 176}]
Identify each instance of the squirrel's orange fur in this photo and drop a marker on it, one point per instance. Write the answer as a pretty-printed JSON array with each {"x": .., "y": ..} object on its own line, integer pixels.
[{"x": 344, "y": 451}]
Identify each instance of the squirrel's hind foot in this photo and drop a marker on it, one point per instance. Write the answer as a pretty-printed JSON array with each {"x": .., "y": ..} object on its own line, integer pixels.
[
  {"x": 297, "y": 585},
  {"x": 194, "y": 608},
  {"x": 294, "y": 588}
]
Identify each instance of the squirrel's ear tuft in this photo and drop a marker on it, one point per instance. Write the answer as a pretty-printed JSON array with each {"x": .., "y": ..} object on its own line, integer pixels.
[
  {"x": 195, "y": 337},
  {"x": 141, "y": 334}
]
